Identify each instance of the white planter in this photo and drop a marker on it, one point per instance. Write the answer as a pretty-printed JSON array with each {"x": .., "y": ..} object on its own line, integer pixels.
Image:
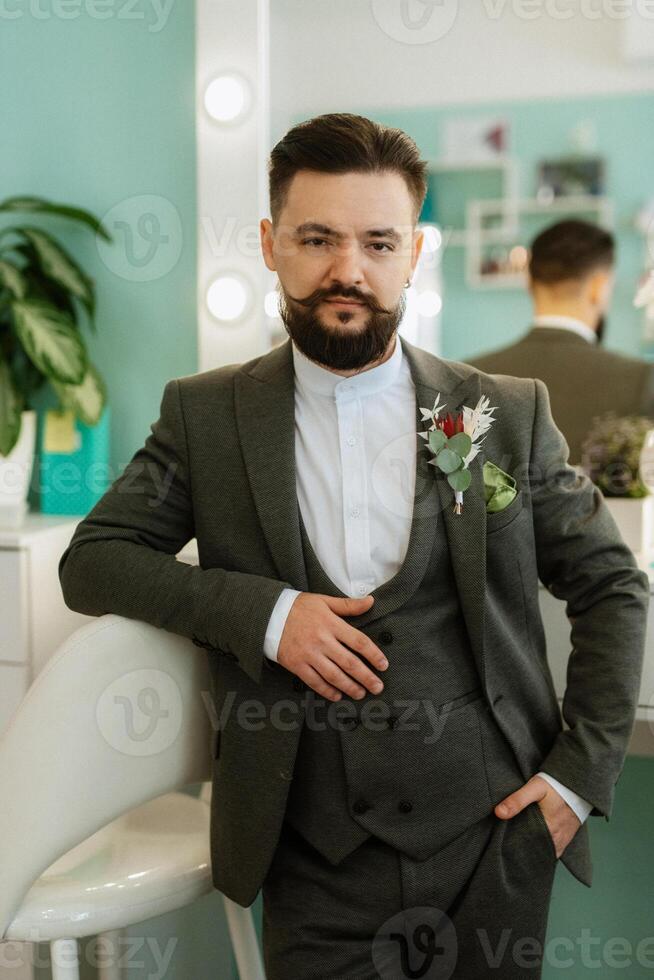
[
  {"x": 635, "y": 519},
  {"x": 16, "y": 472}
]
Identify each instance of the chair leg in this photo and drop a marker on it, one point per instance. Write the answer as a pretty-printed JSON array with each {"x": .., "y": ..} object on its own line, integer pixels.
[
  {"x": 109, "y": 966},
  {"x": 64, "y": 957},
  {"x": 244, "y": 941}
]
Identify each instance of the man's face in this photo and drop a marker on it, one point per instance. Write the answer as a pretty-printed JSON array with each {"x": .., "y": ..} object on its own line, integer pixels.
[{"x": 343, "y": 237}]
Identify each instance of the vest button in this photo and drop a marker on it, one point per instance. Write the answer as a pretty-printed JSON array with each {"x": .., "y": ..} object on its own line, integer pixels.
[
  {"x": 298, "y": 683},
  {"x": 385, "y": 637},
  {"x": 349, "y": 723},
  {"x": 360, "y": 806},
  {"x": 391, "y": 721},
  {"x": 404, "y": 806}
]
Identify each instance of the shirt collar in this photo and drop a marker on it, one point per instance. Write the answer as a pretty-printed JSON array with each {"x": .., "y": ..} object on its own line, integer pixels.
[
  {"x": 567, "y": 323},
  {"x": 320, "y": 380}
]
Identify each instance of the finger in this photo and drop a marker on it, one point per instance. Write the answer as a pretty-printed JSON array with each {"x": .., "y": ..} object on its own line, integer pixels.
[
  {"x": 361, "y": 644},
  {"x": 353, "y": 668},
  {"x": 344, "y": 669},
  {"x": 531, "y": 792},
  {"x": 318, "y": 684}
]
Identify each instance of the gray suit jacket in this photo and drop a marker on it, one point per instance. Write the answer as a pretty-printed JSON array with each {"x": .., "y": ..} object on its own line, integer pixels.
[
  {"x": 583, "y": 380},
  {"x": 219, "y": 465}
]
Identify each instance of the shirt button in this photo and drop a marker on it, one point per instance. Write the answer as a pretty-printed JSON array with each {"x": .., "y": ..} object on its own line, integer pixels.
[
  {"x": 361, "y": 588},
  {"x": 404, "y": 806},
  {"x": 351, "y": 440},
  {"x": 354, "y": 511}
]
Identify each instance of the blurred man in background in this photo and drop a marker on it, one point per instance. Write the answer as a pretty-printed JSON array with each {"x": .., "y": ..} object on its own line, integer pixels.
[{"x": 571, "y": 277}]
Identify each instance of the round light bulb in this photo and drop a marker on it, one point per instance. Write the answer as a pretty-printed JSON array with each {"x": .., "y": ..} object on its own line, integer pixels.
[
  {"x": 271, "y": 304},
  {"x": 227, "y": 98},
  {"x": 228, "y": 297},
  {"x": 433, "y": 238},
  {"x": 429, "y": 303}
]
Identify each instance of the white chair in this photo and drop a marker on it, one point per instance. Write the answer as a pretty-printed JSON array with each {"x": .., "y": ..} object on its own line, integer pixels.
[{"x": 89, "y": 843}]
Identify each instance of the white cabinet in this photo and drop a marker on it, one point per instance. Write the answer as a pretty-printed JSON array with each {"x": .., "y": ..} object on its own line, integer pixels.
[{"x": 34, "y": 618}]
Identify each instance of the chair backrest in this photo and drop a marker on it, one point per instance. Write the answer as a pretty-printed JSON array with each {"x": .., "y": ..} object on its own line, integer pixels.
[{"x": 118, "y": 716}]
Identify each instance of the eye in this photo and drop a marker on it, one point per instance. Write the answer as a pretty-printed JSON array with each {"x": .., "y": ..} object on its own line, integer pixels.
[
  {"x": 380, "y": 245},
  {"x": 312, "y": 241}
]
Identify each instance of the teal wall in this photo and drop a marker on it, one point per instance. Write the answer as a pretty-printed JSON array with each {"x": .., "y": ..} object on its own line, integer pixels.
[
  {"x": 480, "y": 320},
  {"x": 101, "y": 113}
]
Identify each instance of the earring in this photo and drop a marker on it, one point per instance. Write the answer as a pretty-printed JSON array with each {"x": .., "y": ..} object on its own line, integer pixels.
[{"x": 407, "y": 284}]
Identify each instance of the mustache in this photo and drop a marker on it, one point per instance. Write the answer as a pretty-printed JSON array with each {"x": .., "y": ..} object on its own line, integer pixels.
[{"x": 318, "y": 295}]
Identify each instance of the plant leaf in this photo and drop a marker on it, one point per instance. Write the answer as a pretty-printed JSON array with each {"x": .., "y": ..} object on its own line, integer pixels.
[
  {"x": 10, "y": 408},
  {"x": 460, "y": 443},
  {"x": 38, "y": 205},
  {"x": 11, "y": 278},
  {"x": 448, "y": 461},
  {"x": 460, "y": 479},
  {"x": 58, "y": 265},
  {"x": 50, "y": 340},
  {"x": 87, "y": 399},
  {"x": 437, "y": 440}
]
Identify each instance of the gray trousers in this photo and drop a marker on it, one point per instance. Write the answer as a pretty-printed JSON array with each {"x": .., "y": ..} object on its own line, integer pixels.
[{"x": 475, "y": 910}]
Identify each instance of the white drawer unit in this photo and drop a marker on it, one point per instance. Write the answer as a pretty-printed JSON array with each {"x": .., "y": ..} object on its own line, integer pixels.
[{"x": 34, "y": 618}]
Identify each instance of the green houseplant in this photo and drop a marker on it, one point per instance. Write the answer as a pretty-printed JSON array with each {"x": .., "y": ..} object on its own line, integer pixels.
[
  {"x": 45, "y": 297},
  {"x": 611, "y": 456}
]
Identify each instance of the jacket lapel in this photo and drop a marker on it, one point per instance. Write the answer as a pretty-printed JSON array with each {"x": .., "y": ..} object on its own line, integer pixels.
[{"x": 265, "y": 419}]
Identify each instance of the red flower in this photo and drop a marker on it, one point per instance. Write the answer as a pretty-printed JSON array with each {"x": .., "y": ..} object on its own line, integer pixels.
[{"x": 450, "y": 424}]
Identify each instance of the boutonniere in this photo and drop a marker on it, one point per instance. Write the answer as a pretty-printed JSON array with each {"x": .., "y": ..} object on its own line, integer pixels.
[{"x": 455, "y": 440}]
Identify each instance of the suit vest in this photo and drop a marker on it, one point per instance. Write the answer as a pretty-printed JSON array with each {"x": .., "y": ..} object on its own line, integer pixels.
[{"x": 420, "y": 762}]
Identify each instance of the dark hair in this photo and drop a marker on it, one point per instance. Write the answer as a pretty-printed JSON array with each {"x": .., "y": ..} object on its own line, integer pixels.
[
  {"x": 570, "y": 249},
  {"x": 338, "y": 143}
]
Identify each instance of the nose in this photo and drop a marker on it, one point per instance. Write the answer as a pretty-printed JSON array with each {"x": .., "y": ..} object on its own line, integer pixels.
[{"x": 346, "y": 266}]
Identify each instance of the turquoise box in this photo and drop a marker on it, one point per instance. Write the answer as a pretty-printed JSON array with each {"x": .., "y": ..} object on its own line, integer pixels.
[{"x": 72, "y": 482}]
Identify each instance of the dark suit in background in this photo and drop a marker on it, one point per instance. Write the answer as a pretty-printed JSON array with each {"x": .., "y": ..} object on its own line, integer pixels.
[{"x": 582, "y": 378}]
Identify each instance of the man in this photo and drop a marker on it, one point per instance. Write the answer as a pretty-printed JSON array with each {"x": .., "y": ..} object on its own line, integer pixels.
[
  {"x": 571, "y": 279},
  {"x": 406, "y": 787}
]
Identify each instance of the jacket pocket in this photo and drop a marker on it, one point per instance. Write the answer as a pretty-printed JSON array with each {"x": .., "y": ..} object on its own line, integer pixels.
[{"x": 499, "y": 519}]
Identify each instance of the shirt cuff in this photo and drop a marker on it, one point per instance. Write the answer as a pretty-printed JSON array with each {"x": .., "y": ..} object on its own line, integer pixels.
[
  {"x": 277, "y": 622},
  {"x": 576, "y": 803}
]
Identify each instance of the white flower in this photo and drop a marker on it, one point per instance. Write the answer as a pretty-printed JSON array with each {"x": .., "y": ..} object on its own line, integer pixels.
[{"x": 476, "y": 423}]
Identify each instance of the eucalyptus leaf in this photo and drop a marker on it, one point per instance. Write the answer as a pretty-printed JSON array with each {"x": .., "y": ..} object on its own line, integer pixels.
[
  {"x": 10, "y": 411},
  {"x": 437, "y": 440},
  {"x": 11, "y": 279},
  {"x": 50, "y": 340},
  {"x": 37, "y": 205},
  {"x": 460, "y": 443},
  {"x": 56, "y": 263},
  {"x": 460, "y": 479},
  {"x": 87, "y": 399},
  {"x": 448, "y": 461}
]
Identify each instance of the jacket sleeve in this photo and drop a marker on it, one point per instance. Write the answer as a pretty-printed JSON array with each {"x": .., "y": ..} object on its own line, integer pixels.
[
  {"x": 121, "y": 558},
  {"x": 583, "y": 560}
]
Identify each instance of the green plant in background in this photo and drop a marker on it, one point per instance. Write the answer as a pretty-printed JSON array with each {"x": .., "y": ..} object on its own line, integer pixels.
[
  {"x": 611, "y": 454},
  {"x": 44, "y": 296}
]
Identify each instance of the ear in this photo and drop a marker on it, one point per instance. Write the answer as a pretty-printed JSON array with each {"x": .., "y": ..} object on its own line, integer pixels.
[
  {"x": 416, "y": 248},
  {"x": 267, "y": 235},
  {"x": 600, "y": 284}
]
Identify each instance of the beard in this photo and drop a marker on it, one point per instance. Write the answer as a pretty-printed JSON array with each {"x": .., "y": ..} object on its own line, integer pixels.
[
  {"x": 601, "y": 329},
  {"x": 330, "y": 346}
]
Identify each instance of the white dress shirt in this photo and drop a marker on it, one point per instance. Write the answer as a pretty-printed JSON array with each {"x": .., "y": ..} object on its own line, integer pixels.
[
  {"x": 566, "y": 323},
  {"x": 355, "y": 477}
]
